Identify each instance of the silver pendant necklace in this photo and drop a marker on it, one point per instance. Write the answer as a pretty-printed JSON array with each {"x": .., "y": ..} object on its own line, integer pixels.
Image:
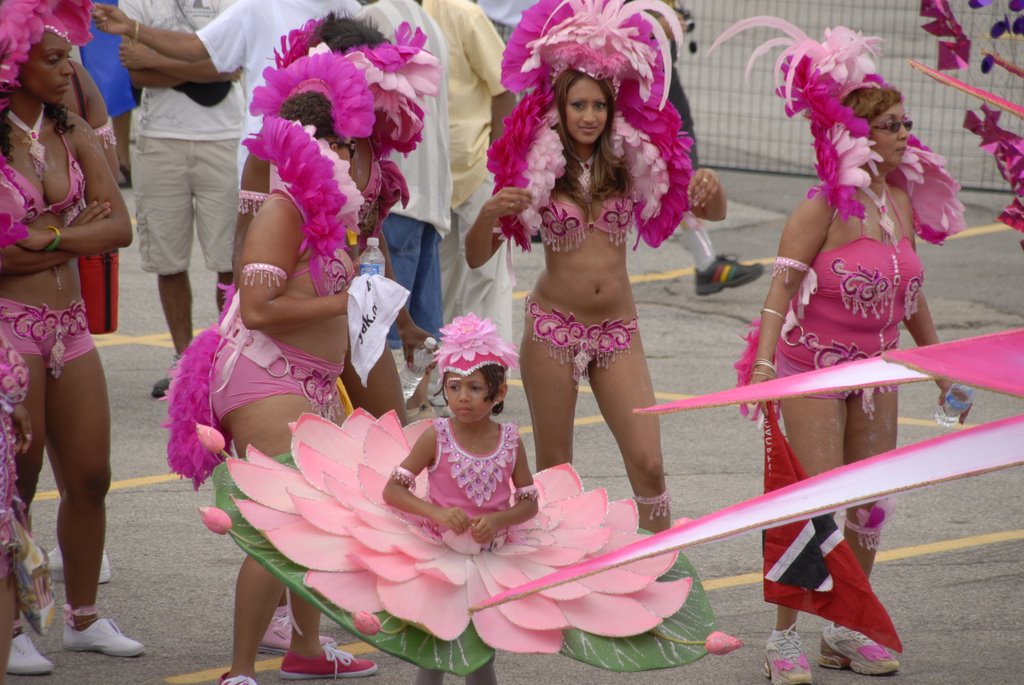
[{"x": 36, "y": 150}]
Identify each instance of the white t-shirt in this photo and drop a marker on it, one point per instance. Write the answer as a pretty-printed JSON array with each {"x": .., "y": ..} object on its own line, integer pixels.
[
  {"x": 168, "y": 113},
  {"x": 427, "y": 169},
  {"x": 246, "y": 34},
  {"x": 505, "y": 12}
]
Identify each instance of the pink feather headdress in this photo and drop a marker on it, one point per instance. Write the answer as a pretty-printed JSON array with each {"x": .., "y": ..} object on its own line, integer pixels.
[
  {"x": 469, "y": 342},
  {"x": 326, "y": 73},
  {"x": 316, "y": 179},
  {"x": 400, "y": 75},
  {"x": 605, "y": 39},
  {"x": 813, "y": 78},
  {"x": 21, "y": 25}
]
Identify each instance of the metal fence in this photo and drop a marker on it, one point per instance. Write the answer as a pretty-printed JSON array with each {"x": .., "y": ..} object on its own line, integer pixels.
[{"x": 741, "y": 124}]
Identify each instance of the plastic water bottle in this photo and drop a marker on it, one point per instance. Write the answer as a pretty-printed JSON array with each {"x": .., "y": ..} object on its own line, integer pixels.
[
  {"x": 371, "y": 261},
  {"x": 412, "y": 373},
  {"x": 959, "y": 399}
]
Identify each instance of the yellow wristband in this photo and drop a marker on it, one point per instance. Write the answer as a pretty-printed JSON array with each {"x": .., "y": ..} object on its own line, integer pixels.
[{"x": 56, "y": 240}]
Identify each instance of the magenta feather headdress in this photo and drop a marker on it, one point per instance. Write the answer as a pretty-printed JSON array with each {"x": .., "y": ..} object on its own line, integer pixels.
[
  {"x": 21, "y": 25},
  {"x": 400, "y": 75},
  {"x": 469, "y": 342},
  {"x": 813, "y": 78},
  {"x": 326, "y": 73},
  {"x": 70, "y": 20},
  {"x": 605, "y": 39},
  {"x": 316, "y": 179}
]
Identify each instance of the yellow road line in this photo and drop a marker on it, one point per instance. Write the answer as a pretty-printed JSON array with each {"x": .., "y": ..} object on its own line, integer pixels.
[
  {"x": 940, "y": 547},
  {"x": 975, "y": 231}
]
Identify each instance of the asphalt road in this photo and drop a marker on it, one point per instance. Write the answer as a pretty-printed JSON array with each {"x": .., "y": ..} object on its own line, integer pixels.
[{"x": 953, "y": 563}]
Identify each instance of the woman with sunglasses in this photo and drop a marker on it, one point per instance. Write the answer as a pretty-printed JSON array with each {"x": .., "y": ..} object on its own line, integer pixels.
[{"x": 847, "y": 275}]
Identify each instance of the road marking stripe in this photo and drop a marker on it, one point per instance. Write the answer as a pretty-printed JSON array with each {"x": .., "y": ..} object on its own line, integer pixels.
[{"x": 940, "y": 547}]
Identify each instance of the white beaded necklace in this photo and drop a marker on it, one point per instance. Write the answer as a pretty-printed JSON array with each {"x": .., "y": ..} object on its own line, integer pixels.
[
  {"x": 36, "y": 150},
  {"x": 884, "y": 220}
]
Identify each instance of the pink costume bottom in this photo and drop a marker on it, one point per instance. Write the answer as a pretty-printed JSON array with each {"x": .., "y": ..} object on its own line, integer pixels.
[
  {"x": 57, "y": 335},
  {"x": 261, "y": 367},
  {"x": 787, "y": 366},
  {"x": 569, "y": 340}
]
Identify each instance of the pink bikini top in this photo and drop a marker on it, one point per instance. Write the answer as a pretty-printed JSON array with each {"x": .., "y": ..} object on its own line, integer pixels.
[
  {"x": 476, "y": 483},
  {"x": 563, "y": 226},
  {"x": 335, "y": 276},
  {"x": 35, "y": 203}
]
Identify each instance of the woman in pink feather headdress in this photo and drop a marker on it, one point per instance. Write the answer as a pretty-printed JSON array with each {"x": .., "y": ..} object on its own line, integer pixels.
[
  {"x": 399, "y": 76},
  {"x": 846, "y": 276},
  {"x": 588, "y": 155}
]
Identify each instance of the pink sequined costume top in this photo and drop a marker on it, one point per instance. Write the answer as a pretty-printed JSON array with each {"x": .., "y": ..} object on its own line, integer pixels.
[
  {"x": 864, "y": 290},
  {"x": 476, "y": 483}
]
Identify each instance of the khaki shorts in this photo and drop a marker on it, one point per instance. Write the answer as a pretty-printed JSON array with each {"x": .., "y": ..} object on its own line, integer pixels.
[{"x": 178, "y": 184}]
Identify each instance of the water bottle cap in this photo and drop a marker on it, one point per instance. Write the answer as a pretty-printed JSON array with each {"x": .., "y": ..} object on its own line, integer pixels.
[
  {"x": 373, "y": 242},
  {"x": 430, "y": 343}
]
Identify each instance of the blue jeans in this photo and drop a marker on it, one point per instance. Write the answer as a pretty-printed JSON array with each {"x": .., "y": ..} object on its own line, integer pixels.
[{"x": 413, "y": 247}]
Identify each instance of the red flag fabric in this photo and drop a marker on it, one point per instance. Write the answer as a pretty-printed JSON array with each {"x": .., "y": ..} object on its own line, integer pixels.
[{"x": 808, "y": 566}]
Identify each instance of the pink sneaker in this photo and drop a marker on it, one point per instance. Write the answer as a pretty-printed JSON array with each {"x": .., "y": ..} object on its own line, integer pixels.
[
  {"x": 278, "y": 636},
  {"x": 331, "y": 663}
]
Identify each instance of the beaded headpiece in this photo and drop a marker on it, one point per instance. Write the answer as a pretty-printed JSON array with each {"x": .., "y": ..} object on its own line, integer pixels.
[{"x": 469, "y": 342}]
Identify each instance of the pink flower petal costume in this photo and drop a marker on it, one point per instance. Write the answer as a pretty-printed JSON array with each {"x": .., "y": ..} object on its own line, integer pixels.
[{"x": 327, "y": 515}]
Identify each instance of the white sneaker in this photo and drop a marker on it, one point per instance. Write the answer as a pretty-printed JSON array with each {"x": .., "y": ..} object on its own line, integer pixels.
[
  {"x": 237, "y": 680},
  {"x": 25, "y": 659},
  {"x": 102, "y": 636},
  {"x": 57, "y": 567}
]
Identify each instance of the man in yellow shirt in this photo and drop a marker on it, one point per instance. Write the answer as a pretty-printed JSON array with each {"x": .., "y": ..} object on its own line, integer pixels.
[{"x": 477, "y": 105}]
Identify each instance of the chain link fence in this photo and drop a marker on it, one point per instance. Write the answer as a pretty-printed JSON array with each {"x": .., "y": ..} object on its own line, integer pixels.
[{"x": 741, "y": 125}]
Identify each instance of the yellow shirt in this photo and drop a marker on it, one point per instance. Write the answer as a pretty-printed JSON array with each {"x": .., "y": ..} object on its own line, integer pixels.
[{"x": 474, "y": 77}]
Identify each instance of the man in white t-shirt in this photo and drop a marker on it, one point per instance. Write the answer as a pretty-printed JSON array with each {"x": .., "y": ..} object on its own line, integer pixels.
[
  {"x": 189, "y": 123},
  {"x": 242, "y": 37}
]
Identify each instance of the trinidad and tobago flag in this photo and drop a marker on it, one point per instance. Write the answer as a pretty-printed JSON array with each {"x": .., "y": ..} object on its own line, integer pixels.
[{"x": 808, "y": 565}]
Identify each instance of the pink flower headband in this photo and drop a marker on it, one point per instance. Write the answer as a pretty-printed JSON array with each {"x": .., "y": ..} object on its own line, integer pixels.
[
  {"x": 605, "y": 39},
  {"x": 469, "y": 342},
  {"x": 813, "y": 79}
]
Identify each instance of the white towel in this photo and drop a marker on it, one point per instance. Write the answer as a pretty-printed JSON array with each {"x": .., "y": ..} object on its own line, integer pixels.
[{"x": 373, "y": 305}]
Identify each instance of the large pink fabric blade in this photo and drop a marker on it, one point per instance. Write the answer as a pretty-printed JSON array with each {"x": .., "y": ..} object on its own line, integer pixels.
[
  {"x": 990, "y": 447},
  {"x": 993, "y": 362},
  {"x": 984, "y": 95},
  {"x": 866, "y": 373}
]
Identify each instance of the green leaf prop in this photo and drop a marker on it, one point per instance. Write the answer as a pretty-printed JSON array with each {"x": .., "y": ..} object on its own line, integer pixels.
[{"x": 662, "y": 648}]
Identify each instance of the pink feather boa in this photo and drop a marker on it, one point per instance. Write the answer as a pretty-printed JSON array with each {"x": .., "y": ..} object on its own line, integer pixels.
[
  {"x": 318, "y": 182},
  {"x": 933, "y": 192},
  {"x": 188, "y": 404},
  {"x": 745, "y": 364}
]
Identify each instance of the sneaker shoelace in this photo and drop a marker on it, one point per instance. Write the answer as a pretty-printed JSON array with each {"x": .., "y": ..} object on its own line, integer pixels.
[
  {"x": 337, "y": 657},
  {"x": 788, "y": 645}
]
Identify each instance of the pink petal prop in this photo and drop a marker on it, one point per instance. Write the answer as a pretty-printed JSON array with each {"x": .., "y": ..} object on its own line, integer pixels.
[
  {"x": 316, "y": 467},
  {"x": 366, "y": 623},
  {"x": 264, "y": 518},
  {"x": 500, "y": 633},
  {"x": 865, "y": 373},
  {"x": 591, "y": 614},
  {"x": 210, "y": 438},
  {"x": 993, "y": 362},
  {"x": 984, "y": 95},
  {"x": 992, "y": 447},
  {"x": 353, "y": 592},
  {"x": 720, "y": 644},
  {"x": 215, "y": 519},
  {"x": 446, "y": 613}
]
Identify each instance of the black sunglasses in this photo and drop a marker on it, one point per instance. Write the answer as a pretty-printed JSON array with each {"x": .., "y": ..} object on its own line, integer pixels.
[{"x": 893, "y": 126}]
